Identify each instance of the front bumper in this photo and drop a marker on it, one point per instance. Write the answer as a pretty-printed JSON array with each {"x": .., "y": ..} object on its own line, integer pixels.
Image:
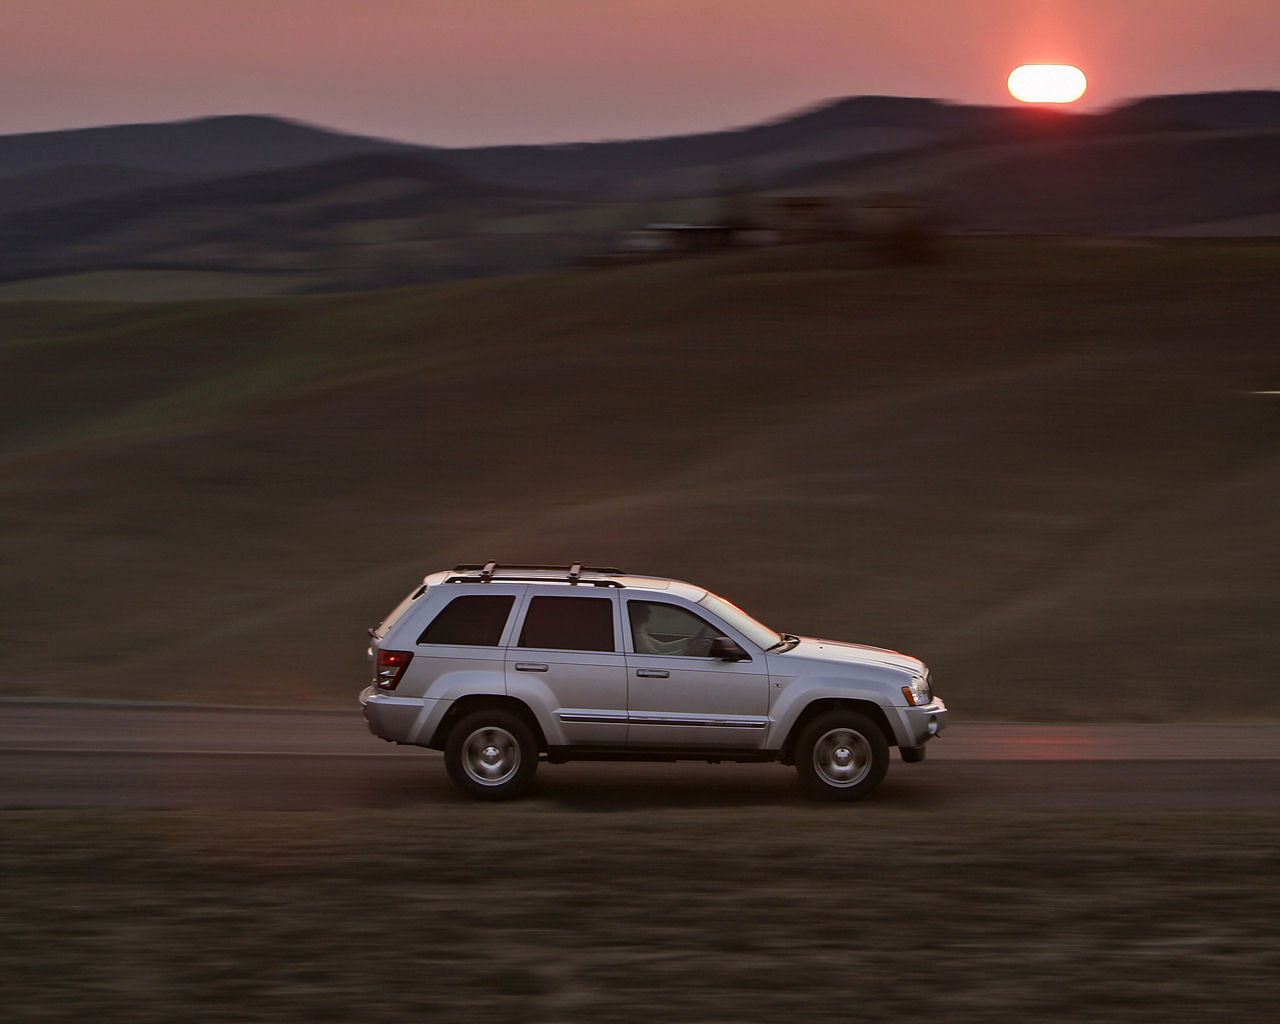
[{"x": 916, "y": 726}]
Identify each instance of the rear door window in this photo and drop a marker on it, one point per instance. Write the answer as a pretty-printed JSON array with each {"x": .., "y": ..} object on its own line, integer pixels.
[
  {"x": 569, "y": 624},
  {"x": 472, "y": 620}
]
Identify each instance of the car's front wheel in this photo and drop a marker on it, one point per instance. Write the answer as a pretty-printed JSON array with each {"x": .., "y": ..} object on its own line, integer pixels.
[
  {"x": 841, "y": 755},
  {"x": 491, "y": 755}
]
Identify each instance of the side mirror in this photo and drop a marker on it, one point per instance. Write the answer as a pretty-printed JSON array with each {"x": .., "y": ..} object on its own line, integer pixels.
[{"x": 726, "y": 650}]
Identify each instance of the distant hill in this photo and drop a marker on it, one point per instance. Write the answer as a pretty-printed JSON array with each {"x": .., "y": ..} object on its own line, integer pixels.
[
  {"x": 1160, "y": 166},
  {"x": 338, "y": 211},
  {"x": 1200, "y": 111},
  {"x": 843, "y": 128},
  {"x": 58, "y": 185},
  {"x": 706, "y": 162},
  {"x": 1151, "y": 184},
  {"x": 676, "y": 165},
  {"x": 859, "y": 127},
  {"x": 417, "y": 185},
  {"x": 207, "y": 147},
  {"x": 360, "y": 220}
]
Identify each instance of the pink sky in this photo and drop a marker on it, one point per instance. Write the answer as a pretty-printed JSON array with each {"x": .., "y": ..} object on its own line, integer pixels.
[{"x": 467, "y": 72}]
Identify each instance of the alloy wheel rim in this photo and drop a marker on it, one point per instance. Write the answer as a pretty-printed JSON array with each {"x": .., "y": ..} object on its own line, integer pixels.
[
  {"x": 842, "y": 757},
  {"x": 491, "y": 756}
]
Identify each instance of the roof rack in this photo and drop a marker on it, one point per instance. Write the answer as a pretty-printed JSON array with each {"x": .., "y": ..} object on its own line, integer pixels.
[{"x": 573, "y": 573}]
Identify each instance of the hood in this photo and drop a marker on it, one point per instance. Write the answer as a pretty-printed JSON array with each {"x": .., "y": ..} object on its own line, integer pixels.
[{"x": 856, "y": 654}]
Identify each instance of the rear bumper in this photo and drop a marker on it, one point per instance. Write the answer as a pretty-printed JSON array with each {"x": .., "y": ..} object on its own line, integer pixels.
[{"x": 400, "y": 719}]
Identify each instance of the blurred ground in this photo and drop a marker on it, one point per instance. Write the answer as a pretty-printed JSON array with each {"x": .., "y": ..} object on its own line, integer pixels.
[
  {"x": 537, "y": 913},
  {"x": 1040, "y": 466}
]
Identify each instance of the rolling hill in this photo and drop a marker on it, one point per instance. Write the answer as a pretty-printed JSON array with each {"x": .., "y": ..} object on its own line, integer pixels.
[
  {"x": 372, "y": 214},
  {"x": 59, "y": 186},
  {"x": 1041, "y": 466}
]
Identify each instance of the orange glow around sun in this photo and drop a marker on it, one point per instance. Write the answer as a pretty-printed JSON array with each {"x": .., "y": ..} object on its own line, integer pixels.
[{"x": 1047, "y": 83}]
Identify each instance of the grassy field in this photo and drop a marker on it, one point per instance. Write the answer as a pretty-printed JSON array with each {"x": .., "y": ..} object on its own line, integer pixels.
[
  {"x": 1039, "y": 465},
  {"x": 147, "y": 286},
  {"x": 534, "y": 913}
]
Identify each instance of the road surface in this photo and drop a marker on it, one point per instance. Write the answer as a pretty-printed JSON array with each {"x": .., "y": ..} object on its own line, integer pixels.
[{"x": 154, "y": 756}]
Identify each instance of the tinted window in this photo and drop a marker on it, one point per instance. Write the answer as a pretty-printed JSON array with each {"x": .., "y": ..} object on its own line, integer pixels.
[
  {"x": 658, "y": 628},
  {"x": 569, "y": 624},
  {"x": 473, "y": 621}
]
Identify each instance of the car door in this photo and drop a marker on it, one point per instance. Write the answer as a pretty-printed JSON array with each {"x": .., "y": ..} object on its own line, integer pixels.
[
  {"x": 566, "y": 659},
  {"x": 460, "y": 651},
  {"x": 681, "y": 697}
]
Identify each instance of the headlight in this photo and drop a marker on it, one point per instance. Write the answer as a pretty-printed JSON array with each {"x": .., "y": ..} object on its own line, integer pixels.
[{"x": 918, "y": 693}]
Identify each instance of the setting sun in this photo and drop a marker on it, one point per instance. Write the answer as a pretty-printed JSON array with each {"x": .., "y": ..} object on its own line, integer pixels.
[{"x": 1047, "y": 83}]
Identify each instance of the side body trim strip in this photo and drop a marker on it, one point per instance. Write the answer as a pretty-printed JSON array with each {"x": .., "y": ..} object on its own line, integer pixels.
[{"x": 645, "y": 718}]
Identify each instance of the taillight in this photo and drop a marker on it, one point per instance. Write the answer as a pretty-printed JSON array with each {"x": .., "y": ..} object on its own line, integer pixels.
[{"x": 391, "y": 666}]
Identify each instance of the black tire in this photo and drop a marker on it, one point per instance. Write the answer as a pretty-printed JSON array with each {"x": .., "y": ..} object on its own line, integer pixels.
[
  {"x": 841, "y": 755},
  {"x": 491, "y": 755}
]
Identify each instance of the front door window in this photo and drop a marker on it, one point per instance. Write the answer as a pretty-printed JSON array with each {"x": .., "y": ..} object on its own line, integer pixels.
[
  {"x": 678, "y": 695},
  {"x": 659, "y": 628}
]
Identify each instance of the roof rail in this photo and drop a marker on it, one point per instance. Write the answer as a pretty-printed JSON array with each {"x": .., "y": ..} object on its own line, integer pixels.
[{"x": 573, "y": 573}]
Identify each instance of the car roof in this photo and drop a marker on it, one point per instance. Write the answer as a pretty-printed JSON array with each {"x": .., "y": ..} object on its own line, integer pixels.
[{"x": 574, "y": 576}]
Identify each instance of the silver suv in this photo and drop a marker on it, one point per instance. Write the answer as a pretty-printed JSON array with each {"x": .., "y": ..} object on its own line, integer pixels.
[{"x": 501, "y": 666}]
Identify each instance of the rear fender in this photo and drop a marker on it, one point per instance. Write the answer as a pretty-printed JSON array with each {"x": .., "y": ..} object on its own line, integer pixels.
[{"x": 478, "y": 702}]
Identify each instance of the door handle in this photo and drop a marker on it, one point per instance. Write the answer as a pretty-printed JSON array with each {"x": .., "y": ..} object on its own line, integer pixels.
[
  {"x": 530, "y": 666},
  {"x": 653, "y": 673}
]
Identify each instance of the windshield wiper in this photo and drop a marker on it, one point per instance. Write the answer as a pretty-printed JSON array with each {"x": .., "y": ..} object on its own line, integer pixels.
[{"x": 788, "y": 641}]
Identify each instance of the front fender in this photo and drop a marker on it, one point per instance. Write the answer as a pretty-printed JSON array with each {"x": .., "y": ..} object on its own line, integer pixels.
[{"x": 790, "y": 702}]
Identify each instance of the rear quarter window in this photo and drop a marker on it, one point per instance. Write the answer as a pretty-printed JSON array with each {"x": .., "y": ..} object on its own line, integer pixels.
[
  {"x": 472, "y": 620},
  {"x": 397, "y": 613}
]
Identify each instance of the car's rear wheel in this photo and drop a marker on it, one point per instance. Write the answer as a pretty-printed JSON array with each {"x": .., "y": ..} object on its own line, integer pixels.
[
  {"x": 841, "y": 755},
  {"x": 491, "y": 755}
]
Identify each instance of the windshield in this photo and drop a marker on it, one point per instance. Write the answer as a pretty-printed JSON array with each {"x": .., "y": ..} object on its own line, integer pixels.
[{"x": 760, "y": 635}]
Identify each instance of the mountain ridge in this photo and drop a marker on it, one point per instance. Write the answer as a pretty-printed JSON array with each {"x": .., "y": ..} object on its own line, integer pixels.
[
  {"x": 221, "y": 144},
  {"x": 285, "y": 142}
]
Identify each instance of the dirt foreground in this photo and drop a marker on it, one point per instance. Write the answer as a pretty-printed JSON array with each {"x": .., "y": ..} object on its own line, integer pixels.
[{"x": 535, "y": 913}]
